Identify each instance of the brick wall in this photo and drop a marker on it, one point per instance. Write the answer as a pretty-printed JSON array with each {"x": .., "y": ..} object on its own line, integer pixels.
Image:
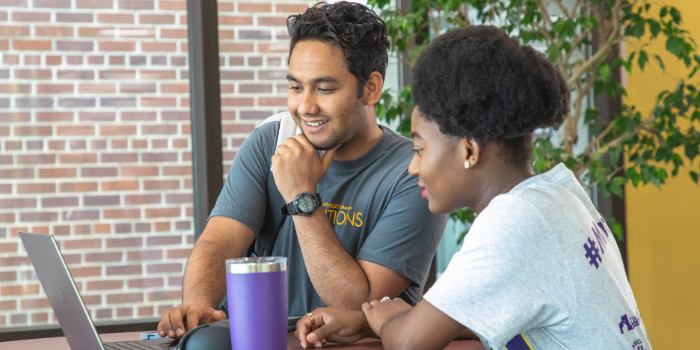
[{"x": 95, "y": 140}]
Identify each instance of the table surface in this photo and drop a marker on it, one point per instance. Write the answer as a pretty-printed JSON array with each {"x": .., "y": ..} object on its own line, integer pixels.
[{"x": 292, "y": 343}]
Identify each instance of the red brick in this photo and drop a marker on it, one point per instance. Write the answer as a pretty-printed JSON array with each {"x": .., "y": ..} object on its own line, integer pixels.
[
  {"x": 179, "y": 253},
  {"x": 172, "y": 5},
  {"x": 78, "y": 187},
  {"x": 290, "y": 8},
  {"x": 174, "y": 33},
  {"x": 85, "y": 271},
  {"x": 140, "y": 171},
  {"x": 178, "y": 198},
  {"x": 162, "y": 212},
  {"x": 124, "y": 270},
  {"x": 4, "y": 44},
  {"x": 101, "y": 200},
  {"x": 58, "y": 172},
  {"x": 159, "y": 157},
  {"x": 122, "y": 214},
  {"x": 115, "y": 18},
  {"x": 119, "y": 157},
  {"x": 161, "y": 143},
  {"x": 54, "y": 88},
  {"x": 40, "y": 317},
  {"x": 162, "y": 227},
  {"x": 236, "y": 47},
  {"x": 139, "y": 199},
  {"x": 158, "y": 47},
  {"x": 237, "y": 128},
  {"x": 103, "y": 228},
  {"x": 10, "y": 247},
  {"x": 136, "y": 4},
  {"x": 60, "y": 202},
  {"x": 158, "y": 74},
  {"x": 124, "y": 242},
  {"x": 137, "y": 88},
  {"x": 75, "y": 74},
  {"x": 31, "y": 45},
  {"x": 165, "y": 295},
  {"x": 75, "y": 130},
  {"x": 36, "y": 188},
  {"x": 139, "y": 143},
  {"x": 104, "y": 257},
  {"x": 98, "y": 172},
  {"x": 145, "y": 282},
  {"x": 145, "y": 310},
  {"x": 124, "y": 298},
  {"x": 97, "y": 89},
  {"x": 118, "y": 74},
  {"x": 125, "y": 312},
  {"x": 98, "y": 117},
  {"x": 61, "y": 230},
  {"x": 14, "y": 117},
  {"x": 237, "y": 102},
  {"x": 163, "y": 240},
  {"x": 161, "y": 185},
  {"x": 104, "y": 285},
  {"x": 51, "y": 3},
  {"x": 117, "y": 46},
  {"x": 272, "y": 21},
  {"x": 118, "y": 144},
  {"x": 20, "y": 290},
  {"x": 33, "y": 131},
  {"x": 158, "y": 129},
  {"x": 144, "y": 255},
  {"x": 94, "y": 4},
  {"x": 226, "y": 34},
  {"x": 38, "y": 216},
  {"x": 54, "y": 60},
  {"x": 31, "y": 16},
  {"x": 82, "y": 244},
  {"x": 120, "y": 185},
  {"x": 53, "y": 31},
  {"x": 79, "y": 215},
  {"x": 157, "y": 19},
  {"x": 15, "y": 261},
  {"x": 237, "y": 20},
  {"x": 7, "y": 276},
  {"x": 158, "y": 102},
  {"x": 181, "y": 143},
  {"x": 164, "y": 268},
  {"x": 36, "y": 304},
  {"x": 78, "y": 158},
  {"x": 96, "y": 32},
  {"x": 16, "y": 31},
  {"x": 175, "y": 88},
  {"x": 117, "y": 130},
  {"x": 36, "y": 159}
]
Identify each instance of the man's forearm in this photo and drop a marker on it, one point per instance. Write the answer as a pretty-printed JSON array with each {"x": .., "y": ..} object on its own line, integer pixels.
[
  {"x": 336, "y": 276},
  {"x": 204, "y": 281}
]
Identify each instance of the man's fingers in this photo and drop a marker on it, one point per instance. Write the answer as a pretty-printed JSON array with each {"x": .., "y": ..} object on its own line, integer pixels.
[
  {"x": 327, "y": 158},
  {"x": 219, "y": 315},
  {"x": 164, "y": 325},
  {"x": 303, "y": 329},
  {"x": 193, "y": 317},
  {"x": 176, "y": 317}
]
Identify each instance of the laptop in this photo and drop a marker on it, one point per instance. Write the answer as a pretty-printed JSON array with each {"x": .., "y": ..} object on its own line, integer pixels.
[{"x": 66, "y": 302}]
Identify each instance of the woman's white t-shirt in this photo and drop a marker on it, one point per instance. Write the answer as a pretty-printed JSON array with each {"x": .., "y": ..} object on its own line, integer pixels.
[{"x": 540, "y": 269}]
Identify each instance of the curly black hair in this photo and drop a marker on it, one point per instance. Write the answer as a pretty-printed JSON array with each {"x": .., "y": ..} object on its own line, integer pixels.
[
  {"x": 477, "y": 82},
  {"x": 353, "y": 28}
]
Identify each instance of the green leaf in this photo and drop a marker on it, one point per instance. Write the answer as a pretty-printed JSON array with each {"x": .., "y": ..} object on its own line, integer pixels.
[
  {"x": 639, "y": 30},
  {"x": 675, "y": 15},
  {"x": 676, "y": 46},
  {"x": 654, "y": 27},
  {"x": 643, "y": 59},
  {"x": 661, "y": 62},
  {"x": 694, "y": 176},
  {"x": 605, "y": 72},
  {"x": 663, "y": 12}
]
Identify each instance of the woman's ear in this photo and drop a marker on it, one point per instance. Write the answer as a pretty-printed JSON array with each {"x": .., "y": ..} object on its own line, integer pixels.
[{"x": 471, "y": 151}]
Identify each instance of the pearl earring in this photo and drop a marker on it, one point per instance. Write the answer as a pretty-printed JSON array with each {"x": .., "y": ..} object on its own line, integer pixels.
[{"x": 467, "y": 165}]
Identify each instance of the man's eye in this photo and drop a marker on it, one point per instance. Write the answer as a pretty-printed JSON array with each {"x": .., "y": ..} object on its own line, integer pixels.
[
  {"x": 417, "y": 151},
  {"x": 295, "y": 88},
  {"x": 325, "y": 91}
]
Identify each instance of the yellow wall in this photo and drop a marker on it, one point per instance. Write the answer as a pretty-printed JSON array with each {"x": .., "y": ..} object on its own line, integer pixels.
[{"x": 664, "y": 224}]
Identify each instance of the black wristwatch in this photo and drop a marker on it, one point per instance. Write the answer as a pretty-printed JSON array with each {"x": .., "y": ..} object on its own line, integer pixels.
[{"x": 304, "y": 204}]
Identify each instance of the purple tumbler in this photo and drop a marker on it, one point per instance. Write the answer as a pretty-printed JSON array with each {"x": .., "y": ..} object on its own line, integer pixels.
[{"x": 257, "y": 302}]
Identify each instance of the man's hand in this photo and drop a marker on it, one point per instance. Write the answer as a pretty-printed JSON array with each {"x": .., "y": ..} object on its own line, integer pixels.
[
  {"x": 335, "y": 325},
  {"x": 297, "y": 168},
  {"x": 180, "y": 319},
  {"x": 378, "y": 312}
]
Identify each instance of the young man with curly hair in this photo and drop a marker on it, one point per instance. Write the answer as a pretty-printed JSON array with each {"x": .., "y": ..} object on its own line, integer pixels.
[{"x": 368, "y": 233}]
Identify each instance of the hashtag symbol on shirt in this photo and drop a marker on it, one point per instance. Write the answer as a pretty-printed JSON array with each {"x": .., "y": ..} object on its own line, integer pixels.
[{"x": 592, "y": 253}]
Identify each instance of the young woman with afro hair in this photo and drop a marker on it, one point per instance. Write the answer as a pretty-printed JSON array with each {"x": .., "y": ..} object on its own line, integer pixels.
[{"x": 539, "y": 268}]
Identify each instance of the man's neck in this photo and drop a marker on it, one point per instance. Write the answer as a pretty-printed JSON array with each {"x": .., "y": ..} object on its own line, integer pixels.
[{"x": 363, "y": 142}]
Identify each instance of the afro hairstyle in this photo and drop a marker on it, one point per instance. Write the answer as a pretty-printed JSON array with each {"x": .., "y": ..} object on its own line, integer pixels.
[{"x": 478, "y": 83}]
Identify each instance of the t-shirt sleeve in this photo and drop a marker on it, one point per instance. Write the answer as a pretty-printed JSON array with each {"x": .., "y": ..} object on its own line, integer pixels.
[
  {"x": 406, "y": 235},
  {"x": 244, "y": 194},
  {"x": 510, "y": 276}
]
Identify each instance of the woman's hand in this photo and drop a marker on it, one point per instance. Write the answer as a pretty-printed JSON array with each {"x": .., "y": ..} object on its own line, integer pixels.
[
  {"x": 335, "y": 325},
  {"x": 379, "y": 312}
]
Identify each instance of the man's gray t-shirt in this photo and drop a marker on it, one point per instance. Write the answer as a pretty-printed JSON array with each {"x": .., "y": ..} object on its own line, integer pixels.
[{"x": 374, "y": 205}]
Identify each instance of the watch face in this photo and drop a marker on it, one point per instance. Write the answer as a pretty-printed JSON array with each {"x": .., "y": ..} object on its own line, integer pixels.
[{"x": 306, "y": 203}]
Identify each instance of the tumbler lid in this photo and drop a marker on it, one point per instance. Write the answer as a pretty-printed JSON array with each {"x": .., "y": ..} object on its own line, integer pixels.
[{"x": 256, "y": 265}]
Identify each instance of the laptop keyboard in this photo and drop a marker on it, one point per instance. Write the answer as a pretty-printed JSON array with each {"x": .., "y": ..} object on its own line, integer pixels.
[{"x": 133, "y": 345}]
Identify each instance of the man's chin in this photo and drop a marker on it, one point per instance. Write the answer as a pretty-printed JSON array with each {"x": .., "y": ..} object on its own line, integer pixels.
[{"x": 323, "y": 146}]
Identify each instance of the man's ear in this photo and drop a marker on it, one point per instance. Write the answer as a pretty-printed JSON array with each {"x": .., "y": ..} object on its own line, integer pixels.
[
  {"x": 373, "y": 88},
  {"x": 471, "y": 151}
]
